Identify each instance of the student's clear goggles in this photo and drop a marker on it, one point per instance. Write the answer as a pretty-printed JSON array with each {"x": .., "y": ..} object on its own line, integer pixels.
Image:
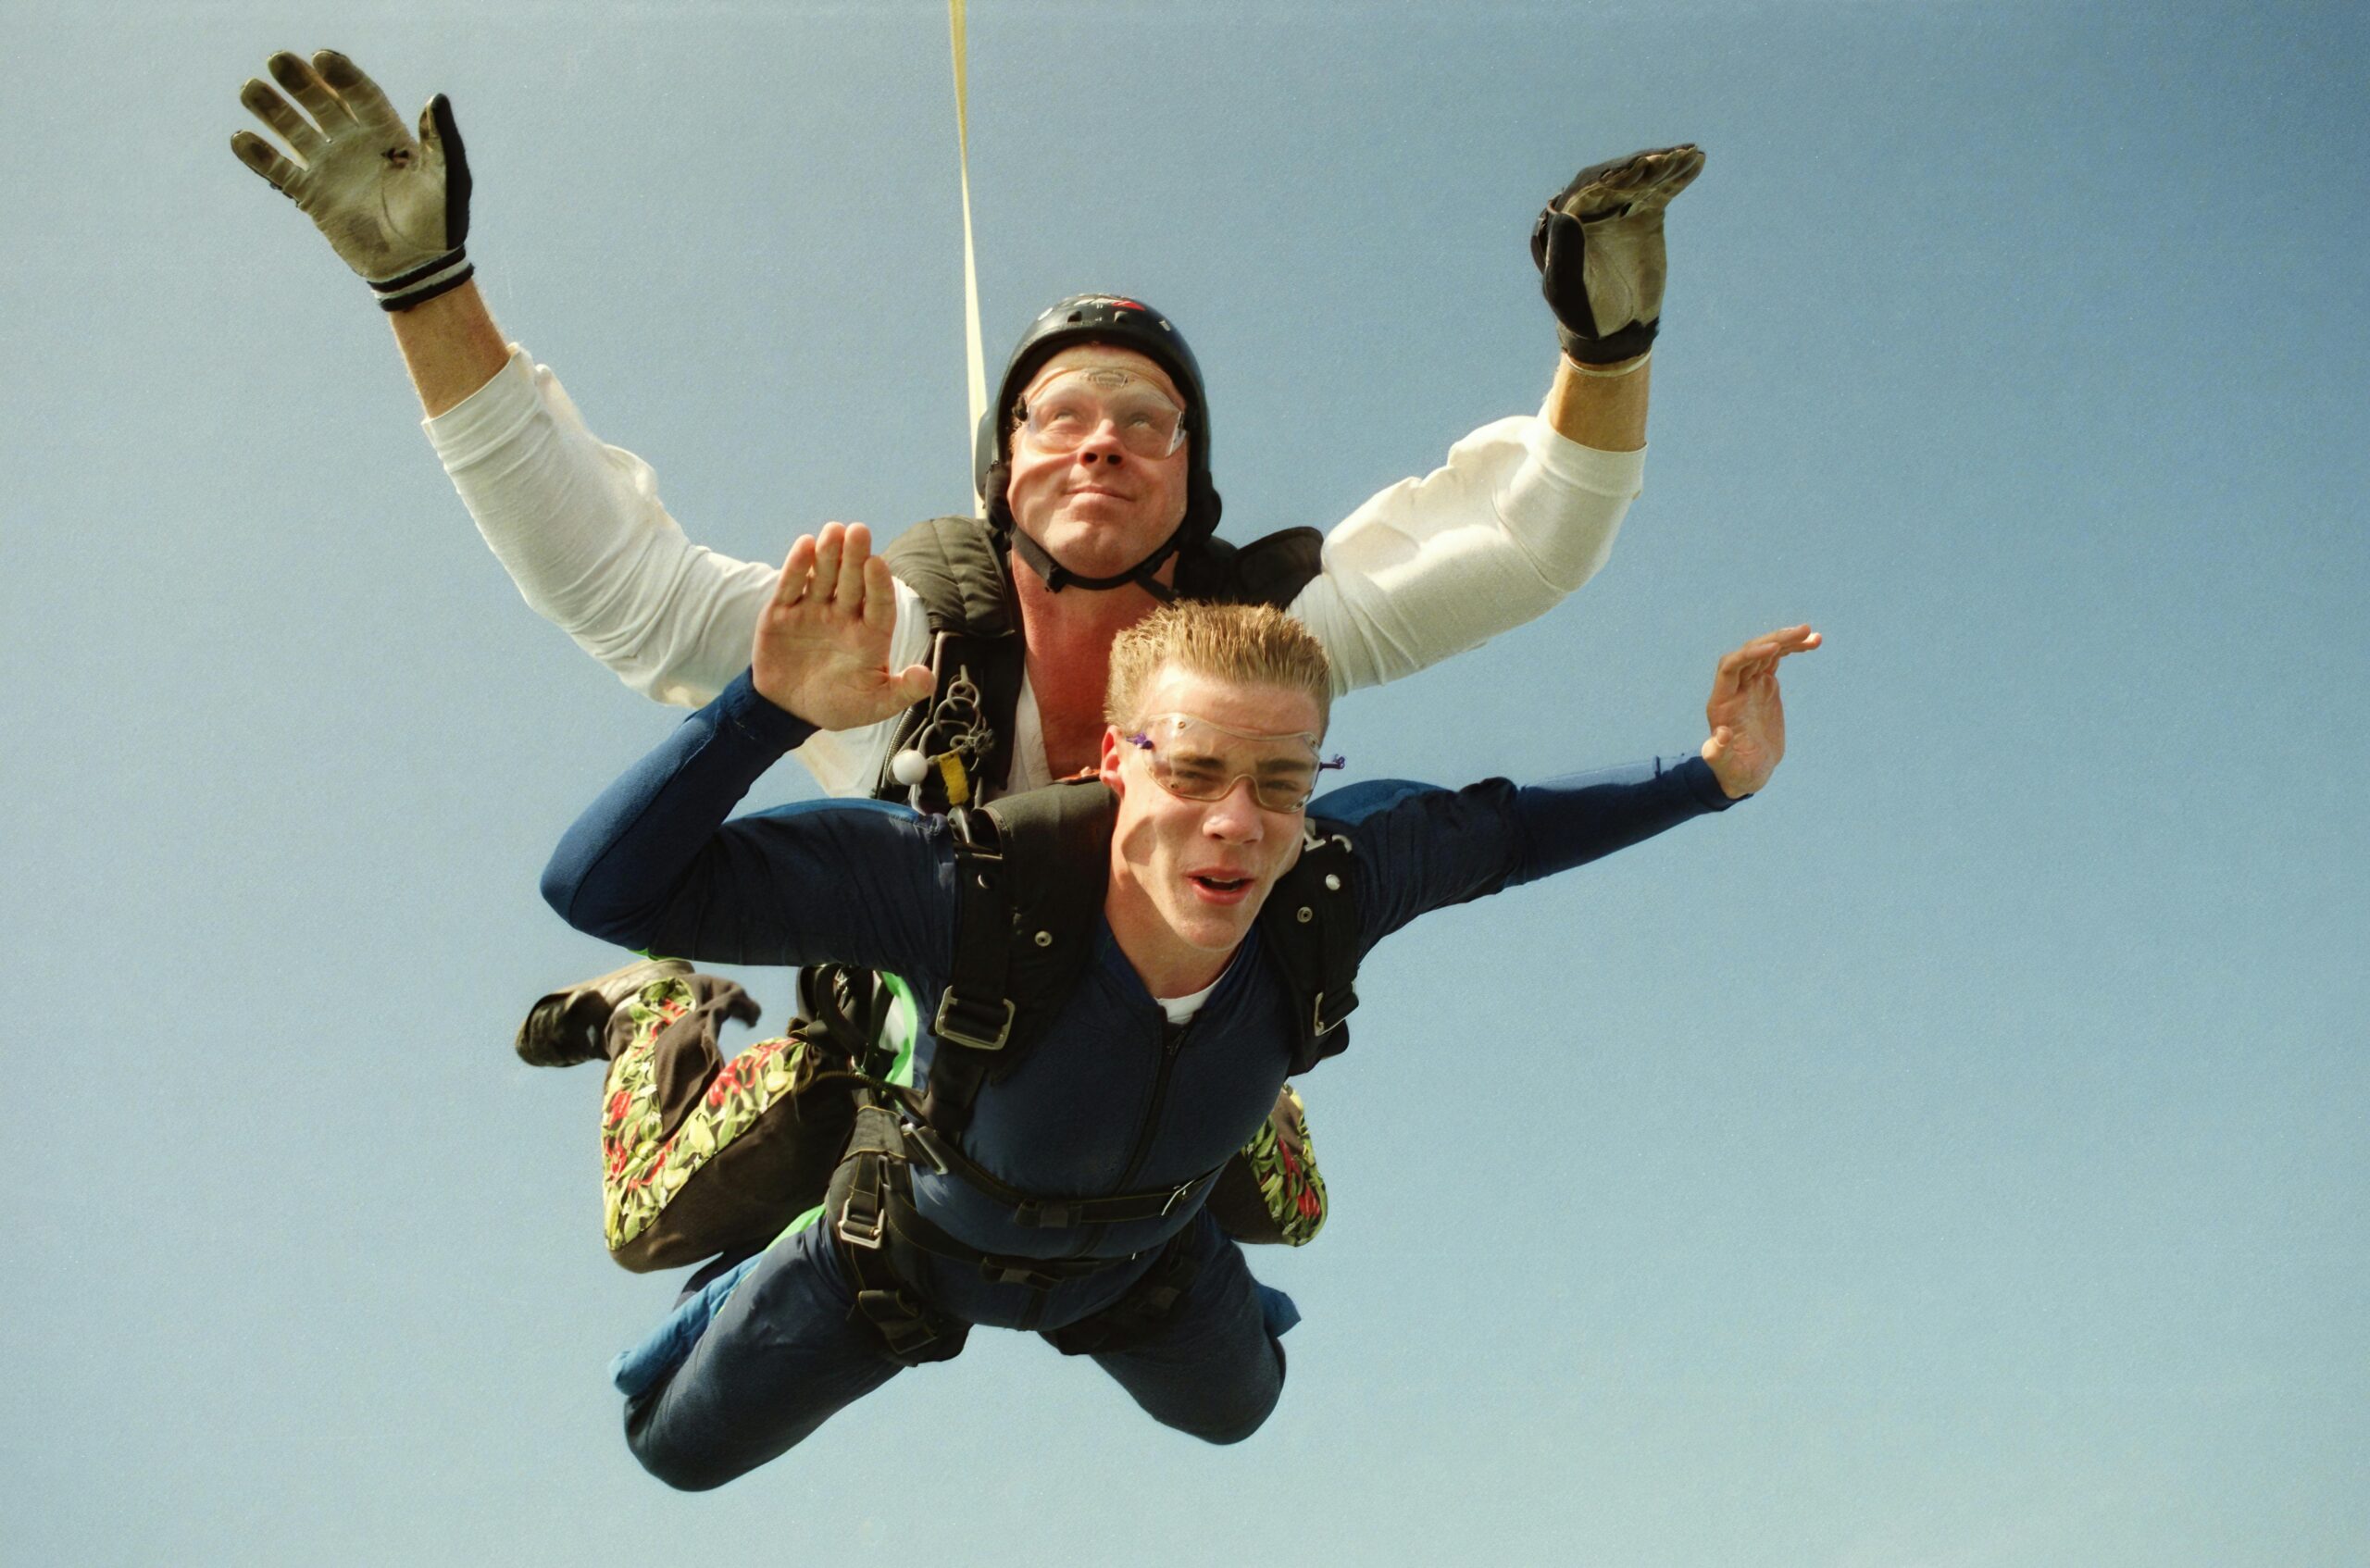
[
  {"x": 1065, "y": 413},
  {"x": 1196, "y": 760}
]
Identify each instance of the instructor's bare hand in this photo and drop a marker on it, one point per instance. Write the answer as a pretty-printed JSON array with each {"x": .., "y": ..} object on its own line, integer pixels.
[
  {"x": 822, "y": 644},
  {"x": 1747, "y": 717}
]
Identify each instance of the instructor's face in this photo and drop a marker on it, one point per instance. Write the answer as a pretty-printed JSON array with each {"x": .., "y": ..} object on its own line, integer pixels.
[{"x": 1099, "y": 509}]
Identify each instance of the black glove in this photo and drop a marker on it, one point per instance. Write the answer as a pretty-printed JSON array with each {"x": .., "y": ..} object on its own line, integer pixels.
[{"x": 1599, "y": 246}]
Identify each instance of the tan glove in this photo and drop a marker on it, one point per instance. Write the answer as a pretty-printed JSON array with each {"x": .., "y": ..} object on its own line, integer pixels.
[
  {"x": 1599, "y": 246},
  {"x": 393, "y": 207}
]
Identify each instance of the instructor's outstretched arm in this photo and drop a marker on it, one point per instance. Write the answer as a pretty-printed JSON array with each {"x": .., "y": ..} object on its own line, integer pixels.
[
  {"x": 393, "y": 205},
  {"x": 1525, "y": 512},
  {"x": 1598, "y": 247},
  {"x": 579, "y": 526}
]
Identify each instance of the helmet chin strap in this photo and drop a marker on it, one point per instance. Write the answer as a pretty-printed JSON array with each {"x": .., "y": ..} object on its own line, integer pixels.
[{"x": 1144, "y": 573}]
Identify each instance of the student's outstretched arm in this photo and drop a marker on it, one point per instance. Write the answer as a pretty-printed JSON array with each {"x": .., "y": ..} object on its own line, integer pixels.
[
  {"x": 1573, "y": 821},
  {"x": 1431, "y": 848},
  {"x": 654, "y": 865}
]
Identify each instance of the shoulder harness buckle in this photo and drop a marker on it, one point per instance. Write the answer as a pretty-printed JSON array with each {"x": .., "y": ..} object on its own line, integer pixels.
[{"x": 992, "y": 1031}]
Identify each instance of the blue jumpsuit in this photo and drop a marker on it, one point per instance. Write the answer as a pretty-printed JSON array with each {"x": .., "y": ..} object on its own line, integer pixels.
[{"x": 1106, "y": 1100}]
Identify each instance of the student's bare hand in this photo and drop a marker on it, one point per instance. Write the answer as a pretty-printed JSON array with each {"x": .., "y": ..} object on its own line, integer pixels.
[
  {"x": 1747, "y": 717},
  {"x": 821, "y": 649}
]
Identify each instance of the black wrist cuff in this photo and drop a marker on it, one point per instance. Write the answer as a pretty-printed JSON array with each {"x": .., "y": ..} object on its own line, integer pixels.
[
  {"x": 424, "y": 282},
  {"x": 1627, "y": 343}
]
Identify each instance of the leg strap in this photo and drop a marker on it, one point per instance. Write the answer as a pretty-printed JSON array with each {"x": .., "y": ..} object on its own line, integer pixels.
[
  {"x": 883, "y": 1237},
  {"x": 912, "y": 1331}
]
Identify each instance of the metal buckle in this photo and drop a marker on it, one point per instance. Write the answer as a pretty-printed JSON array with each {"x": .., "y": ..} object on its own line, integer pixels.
[
  {"x": 1317, "y": 1025},
  {"x": 919, "y": 1135},
  {"x": 854, "y": 1232},
  {"x": 945, "y": 1027},
  {"x": 988, "y": 847},
  {"x": 1179, "y": 1196}
]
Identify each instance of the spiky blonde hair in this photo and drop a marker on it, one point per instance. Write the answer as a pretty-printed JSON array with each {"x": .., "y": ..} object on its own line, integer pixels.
[{"x": 1255, "y": 644}]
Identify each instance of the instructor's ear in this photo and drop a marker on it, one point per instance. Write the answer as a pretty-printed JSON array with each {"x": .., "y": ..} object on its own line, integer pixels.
[{"x": 1114, "y": 750}]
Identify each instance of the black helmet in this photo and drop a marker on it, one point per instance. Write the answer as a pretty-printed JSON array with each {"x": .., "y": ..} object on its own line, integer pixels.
[{"x": 1123, "y": 323}]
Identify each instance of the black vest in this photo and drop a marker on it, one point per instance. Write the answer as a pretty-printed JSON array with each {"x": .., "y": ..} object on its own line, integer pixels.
[
  {"x": 959, "y": 567},
  {"x": 1031, "y": 871}
]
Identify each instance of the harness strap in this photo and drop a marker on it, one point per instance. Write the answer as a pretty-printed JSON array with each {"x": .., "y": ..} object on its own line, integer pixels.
[
  {"x": 1311, "y": 923},
  {"x": 1033, "y": 1212},
  {"x": 975, "y": 1012},
  {"x": 871, "y": 1210},
  {"x": 842, "y": 1008},
  {"x": 912, "y": 1331},
  {"x": 909, "y": 1227}
]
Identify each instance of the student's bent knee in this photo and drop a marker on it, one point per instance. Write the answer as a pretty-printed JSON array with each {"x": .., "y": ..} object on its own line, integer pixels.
[
  {"x": 1225, "y": 1436},
  {"x": 692, "y": 1478},
  {"x": 1223, "y": 1429},
  {"x": 687, "y": 1467}
]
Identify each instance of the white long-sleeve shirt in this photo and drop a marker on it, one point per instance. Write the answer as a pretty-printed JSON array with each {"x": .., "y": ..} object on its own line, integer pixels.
[{"x": 1517, "y": 519}]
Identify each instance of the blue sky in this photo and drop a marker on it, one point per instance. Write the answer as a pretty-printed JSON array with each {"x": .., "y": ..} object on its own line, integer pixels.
[{"x": 1956, "y": 1156}]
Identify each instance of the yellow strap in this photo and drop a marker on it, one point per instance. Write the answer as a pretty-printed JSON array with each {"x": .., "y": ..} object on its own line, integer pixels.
[
  {"x": 958, "y": 783},
  {"x": 976, "y": 361}
]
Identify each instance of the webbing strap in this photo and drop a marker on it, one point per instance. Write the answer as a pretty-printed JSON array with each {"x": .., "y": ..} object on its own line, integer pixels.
[
  {"x": 1311, "y": 923},
  {"x": 911, "y": 1330},
  {"x": 976, "y": 1011},
  {"x": 870, "y": 1207},
  {"x": 909, "y": 1228},
  {"x": 1035, "y": 1213}
]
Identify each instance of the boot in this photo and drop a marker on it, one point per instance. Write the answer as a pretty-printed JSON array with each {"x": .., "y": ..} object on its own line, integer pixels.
[{"x": 571, "y": 1026}]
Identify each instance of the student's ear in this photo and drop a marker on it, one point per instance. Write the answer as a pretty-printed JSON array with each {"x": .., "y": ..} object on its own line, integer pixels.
[{"x": 1114, "y": 750}]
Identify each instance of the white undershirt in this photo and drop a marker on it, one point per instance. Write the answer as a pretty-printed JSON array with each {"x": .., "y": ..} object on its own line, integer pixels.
[{"x": 1180, "y": 1009}]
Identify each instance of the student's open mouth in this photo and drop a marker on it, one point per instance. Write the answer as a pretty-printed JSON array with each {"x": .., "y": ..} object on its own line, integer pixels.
[{"x": 1222, "y": 890}]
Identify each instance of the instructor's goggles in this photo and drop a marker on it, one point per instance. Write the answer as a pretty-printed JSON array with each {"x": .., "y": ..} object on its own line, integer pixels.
[
  {"x": 1067, "y": 411},
  {"x": 1195, "y": 760}
]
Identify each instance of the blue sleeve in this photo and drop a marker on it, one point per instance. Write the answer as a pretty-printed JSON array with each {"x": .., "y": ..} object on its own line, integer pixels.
[
  {"x": 1423, "y": 847},
  {"x": 654, "y": 865}
]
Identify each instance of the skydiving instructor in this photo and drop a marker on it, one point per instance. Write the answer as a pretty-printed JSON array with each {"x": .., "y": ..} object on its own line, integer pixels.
[{"x": 1089, "y": 525}]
